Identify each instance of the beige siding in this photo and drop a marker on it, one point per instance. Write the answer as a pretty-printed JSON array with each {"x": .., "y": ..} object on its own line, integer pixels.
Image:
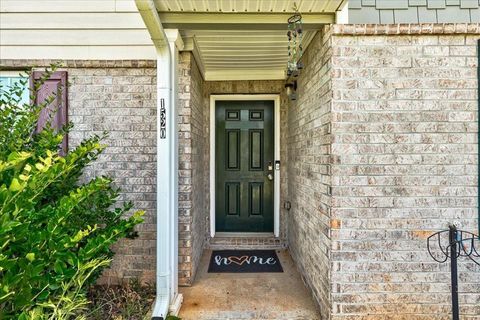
[
  {"x": 61, "y": 29},
  {"x": 413, "y": 11}
]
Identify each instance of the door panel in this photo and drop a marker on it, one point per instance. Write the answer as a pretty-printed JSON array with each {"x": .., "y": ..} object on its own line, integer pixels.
[
  {"x": 255, "y": 198},
  {"x": 232, "y": 194},
  {"x": 233, "y": 149},
  {"x": 256, "y": 149},
  {"x": 244, "y": 158}
]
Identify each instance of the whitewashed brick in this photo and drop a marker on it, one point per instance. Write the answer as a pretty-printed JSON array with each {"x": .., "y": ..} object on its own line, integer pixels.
[{"x": 402, "y": 166}]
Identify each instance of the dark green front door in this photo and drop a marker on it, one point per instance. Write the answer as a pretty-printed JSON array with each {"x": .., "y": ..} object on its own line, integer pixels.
[{"x": 244, "y": 166}]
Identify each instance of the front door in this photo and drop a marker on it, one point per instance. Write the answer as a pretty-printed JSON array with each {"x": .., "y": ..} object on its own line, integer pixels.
[{"x": 244, "y": 166}]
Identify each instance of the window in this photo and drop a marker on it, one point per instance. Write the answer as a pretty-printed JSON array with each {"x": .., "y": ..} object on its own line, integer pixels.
[
  {"x": 10, "y": 78},
  {"x": 56, "y": 112}
]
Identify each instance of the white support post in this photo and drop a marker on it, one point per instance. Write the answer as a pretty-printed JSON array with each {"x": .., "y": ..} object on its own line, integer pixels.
[
  {"x": 165, "y": 179},
  {"x": 167, "y": 297},
  {"x": 175, "y": 43}
]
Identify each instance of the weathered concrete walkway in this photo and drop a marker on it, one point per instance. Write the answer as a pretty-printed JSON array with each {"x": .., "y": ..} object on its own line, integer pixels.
[{"x": 272, "y": 296}]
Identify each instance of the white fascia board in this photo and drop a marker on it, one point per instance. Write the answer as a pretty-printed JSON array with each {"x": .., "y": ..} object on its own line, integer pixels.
[
  {"x": 341, "y": 16},
  {"x": 240, "y": 21},
  {"x": 152, "y": 21},
  {"x": 244, "y": 74}
]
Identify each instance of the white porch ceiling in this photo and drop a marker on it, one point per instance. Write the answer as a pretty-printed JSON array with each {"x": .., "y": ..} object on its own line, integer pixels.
[
  {"x": 305, "y": 6},
  {"x": 241, "y": 54},
  {"x": 242, "y": 39}
]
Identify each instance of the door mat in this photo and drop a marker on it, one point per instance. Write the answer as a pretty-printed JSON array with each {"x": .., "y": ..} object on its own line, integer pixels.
[{"x": 247, "y": 261}]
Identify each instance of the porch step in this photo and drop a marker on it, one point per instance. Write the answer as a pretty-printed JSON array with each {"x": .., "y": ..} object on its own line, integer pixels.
[
  {"x": 245, "y": 242},
  {"x": 242, "y": 315}
]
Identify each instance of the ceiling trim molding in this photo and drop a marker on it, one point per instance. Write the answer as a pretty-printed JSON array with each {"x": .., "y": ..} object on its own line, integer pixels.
[
  {"x": 197, "y": 55},
  {"x": 244, "y": 74},
  {"x": 240, "y": 21},
  {"x": 190, "y": 44},
  {"x": 307, "y": 40}
]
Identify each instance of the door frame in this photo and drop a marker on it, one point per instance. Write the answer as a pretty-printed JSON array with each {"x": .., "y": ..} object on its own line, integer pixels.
[{"x": 276, "y": 186}]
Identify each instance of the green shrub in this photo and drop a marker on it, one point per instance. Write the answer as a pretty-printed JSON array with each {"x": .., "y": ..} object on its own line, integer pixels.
[{"x": 55, "y": 232}]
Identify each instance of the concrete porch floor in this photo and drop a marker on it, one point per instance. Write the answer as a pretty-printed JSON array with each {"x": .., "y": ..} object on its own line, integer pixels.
[{"x": 273, "y": 296}]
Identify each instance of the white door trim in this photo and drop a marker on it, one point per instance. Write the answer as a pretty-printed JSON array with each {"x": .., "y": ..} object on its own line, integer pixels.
[{"x": 276, "y": 191}]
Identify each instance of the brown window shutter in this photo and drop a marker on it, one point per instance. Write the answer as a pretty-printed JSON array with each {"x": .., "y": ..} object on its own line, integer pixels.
[{"x": 57, "y": 111}]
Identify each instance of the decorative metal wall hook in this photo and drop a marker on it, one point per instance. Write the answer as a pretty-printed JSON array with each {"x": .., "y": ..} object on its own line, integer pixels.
[
  {"x": 452, "y": 244},
  {"x": 465, "y": 244}
]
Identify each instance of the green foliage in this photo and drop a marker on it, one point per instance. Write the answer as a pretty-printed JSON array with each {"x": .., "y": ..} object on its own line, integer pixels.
[{"x": 55, "y": 232}]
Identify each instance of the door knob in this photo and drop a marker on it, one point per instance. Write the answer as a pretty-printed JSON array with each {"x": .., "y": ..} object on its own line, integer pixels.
[{"x": 270, "y": 170}]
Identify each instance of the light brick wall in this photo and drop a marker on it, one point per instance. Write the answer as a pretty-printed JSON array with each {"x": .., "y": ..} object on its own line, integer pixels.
[
  {"x": 403, "y": 165},
  {"x": 121, "y": 101},
  {"x": 193, "y": 148},
  {"x": 309, "y": 176}
]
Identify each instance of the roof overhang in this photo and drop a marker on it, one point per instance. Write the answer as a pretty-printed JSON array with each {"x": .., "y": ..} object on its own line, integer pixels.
[{"x": 243, "y": 40}]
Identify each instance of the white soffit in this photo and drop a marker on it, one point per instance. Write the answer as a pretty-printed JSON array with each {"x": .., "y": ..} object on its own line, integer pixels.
[
  {"x": 305, "y": 6},
  {"x": 242, "y": 39},
  {"x": 241, "y": 54}
]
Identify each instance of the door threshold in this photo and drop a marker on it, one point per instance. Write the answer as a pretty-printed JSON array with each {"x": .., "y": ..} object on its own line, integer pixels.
[{"x": 244, "y": 235}]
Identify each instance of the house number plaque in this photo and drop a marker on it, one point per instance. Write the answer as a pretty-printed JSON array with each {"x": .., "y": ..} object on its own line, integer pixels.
[{"x": 163, "y": 119}]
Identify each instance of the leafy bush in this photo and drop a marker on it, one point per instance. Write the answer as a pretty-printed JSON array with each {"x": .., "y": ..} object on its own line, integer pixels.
[{"x": 55, "y": 232}]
